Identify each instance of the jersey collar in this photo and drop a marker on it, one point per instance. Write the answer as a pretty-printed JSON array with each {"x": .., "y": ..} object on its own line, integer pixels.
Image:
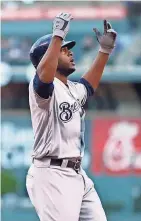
[{"x": 61, "y": 83}]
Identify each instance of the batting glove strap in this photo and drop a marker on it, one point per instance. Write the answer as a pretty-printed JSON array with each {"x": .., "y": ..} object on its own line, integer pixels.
[
  {"x": 106, "y": 50},
  {"x": 59, "y": 33}
]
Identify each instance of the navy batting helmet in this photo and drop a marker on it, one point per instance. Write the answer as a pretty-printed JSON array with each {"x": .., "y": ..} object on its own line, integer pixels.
[{"x": 39, "y": 48}]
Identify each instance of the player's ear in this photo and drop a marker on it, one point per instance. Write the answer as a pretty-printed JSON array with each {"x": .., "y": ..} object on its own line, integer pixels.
[{"x": 64, "y": 49}]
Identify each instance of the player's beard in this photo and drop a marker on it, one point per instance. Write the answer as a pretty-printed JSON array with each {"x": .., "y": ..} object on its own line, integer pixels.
[{"x": 65, "y": 71}]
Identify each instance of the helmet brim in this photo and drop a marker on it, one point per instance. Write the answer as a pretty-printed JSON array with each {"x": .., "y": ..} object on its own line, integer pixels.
[{"x": 69, "y": 44}]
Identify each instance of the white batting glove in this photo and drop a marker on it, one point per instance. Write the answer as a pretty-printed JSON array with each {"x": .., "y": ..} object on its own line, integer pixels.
[
  {"x": 61, "y": 24},
  {"x": 107, "y": 39}
]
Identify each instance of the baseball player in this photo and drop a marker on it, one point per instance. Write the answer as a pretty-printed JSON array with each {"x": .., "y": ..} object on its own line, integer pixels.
[{"x": 57, "y": 185}]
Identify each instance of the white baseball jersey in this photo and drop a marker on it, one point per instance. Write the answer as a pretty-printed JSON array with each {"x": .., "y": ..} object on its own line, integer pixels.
[{"x": 58, "y": 122}]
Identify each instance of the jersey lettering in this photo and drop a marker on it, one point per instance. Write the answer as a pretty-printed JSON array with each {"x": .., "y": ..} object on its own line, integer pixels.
[{"x": 67, "y": 111}]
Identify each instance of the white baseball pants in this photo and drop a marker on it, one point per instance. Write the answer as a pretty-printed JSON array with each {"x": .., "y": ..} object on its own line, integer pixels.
[{"x": 61, "y": 194}]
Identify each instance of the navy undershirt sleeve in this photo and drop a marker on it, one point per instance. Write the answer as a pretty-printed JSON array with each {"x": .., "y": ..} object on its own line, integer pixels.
[
  {"x": 44, "y": 90},
  {"x": 90, "y": 90}
]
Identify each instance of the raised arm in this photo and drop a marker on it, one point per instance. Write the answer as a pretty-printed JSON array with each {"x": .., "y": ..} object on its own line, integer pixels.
[
  {"x": 107, "y": 43},
  {"x": 48, "y": 64},
  {"x": 47, "y": 67}
]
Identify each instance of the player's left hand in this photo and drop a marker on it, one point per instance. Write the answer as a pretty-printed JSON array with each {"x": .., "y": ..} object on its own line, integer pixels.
[{"x": 107, "y": 39}]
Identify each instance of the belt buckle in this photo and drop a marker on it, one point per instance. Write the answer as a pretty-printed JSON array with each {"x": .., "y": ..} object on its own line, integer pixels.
[{"x": 77, "y": 165}]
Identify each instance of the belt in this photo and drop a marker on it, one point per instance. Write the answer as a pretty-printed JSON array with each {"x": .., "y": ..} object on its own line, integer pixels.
[{"x": 74, "y": 163}]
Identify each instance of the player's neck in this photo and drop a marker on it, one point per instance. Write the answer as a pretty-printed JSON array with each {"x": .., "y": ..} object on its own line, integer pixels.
[{"x": 61, "y": 78}]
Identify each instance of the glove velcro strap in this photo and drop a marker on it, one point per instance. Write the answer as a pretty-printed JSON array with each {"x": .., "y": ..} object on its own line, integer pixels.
[
  {"x": 106, "y": 50},
  {"x": 59, "y": 33}
]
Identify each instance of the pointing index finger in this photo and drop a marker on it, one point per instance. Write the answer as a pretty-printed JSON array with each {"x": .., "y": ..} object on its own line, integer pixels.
[{"x": 105, "y": 26}]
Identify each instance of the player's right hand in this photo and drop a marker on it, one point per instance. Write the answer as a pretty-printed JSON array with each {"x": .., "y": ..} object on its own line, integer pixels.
[{"x": 61, "y": 24}]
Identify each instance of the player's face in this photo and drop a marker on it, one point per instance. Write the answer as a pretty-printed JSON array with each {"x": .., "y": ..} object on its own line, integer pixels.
[{"x": 66, "y": 65}]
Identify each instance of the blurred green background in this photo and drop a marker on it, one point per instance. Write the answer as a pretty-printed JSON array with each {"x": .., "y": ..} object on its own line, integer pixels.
[{"x": 113, "y": 120}]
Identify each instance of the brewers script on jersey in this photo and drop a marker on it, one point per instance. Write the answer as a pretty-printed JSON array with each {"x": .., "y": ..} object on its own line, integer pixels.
[{"x": 57, "y": 185}]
